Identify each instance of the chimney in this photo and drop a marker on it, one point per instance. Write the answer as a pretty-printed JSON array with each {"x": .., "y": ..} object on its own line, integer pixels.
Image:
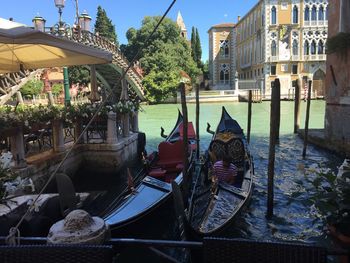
[{"x": 238, "y": 18}]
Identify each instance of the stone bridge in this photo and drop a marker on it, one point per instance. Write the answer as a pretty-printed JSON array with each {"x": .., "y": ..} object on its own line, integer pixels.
[{"x": 108, "y": 74}]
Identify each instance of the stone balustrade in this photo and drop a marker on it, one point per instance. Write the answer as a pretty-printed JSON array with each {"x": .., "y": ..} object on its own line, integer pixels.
[{"x": 116, "y": 128}]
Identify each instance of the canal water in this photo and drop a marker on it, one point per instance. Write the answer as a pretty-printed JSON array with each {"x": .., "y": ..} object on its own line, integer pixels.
[{"x": 295, "y": 216}]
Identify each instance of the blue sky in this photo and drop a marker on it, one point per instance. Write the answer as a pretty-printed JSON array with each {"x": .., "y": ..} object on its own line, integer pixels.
[{"x": 125, "y": 14}]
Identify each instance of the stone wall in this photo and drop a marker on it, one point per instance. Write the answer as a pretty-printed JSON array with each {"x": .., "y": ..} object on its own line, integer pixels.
[
  {"x": 95, "y": 157},
  {"x": 337, "y": 119}
]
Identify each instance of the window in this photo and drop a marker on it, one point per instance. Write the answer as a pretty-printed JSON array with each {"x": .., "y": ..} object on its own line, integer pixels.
[
  {"x": 314, "y": 13},
  {"x": 321, "y": 13},
  {"x": 307, "y": 14},
  {"x": 320, "y": 47},
  {"x": 284, "y": 67},
  {"x": 273, "y": 69},
  {"x": 327, "y": 11},
  {"x": 295, "y": 69},
  {"x": 313, "y": 47},
  {"x": 224, "y": 74},
  {"x": 306, "y": 48},
  {"x": 273, "y": 15},
  {"x": 295, "y": 47},
  {"x": 224, "y": 49},
  {"x": 273, "y": 48},
  {"x": 295, "y": 15}
]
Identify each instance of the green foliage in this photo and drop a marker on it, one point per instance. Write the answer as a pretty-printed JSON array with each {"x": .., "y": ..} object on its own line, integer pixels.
[
  {"x": 206, "y": 70},
  {"x": 331, "y": 195},
  {"x": 57, "y": 89},
  {"x": 193, "y": 44},
  {"x": 162, "y": 58},
  {"x": 104, "y": 26},
  {"x": 79, "y": 75},
  {"x": 198, "y": 50},
  {"x": 32, "y": 87}
]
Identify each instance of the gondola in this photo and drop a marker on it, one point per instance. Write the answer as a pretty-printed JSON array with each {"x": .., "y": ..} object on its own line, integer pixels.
[
  {"x": 154, "y": 189},
  {"x": 213, "y": 207}
]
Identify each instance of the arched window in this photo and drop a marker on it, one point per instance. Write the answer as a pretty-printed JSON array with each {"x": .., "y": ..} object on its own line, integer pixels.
[
  {"x": 321, "y": 13},
  {"x": 273, "y": 16},
  {"x": 313, "y": 47},
  {"x": 224, "y": 48},
  {"x": 314, "y": 13},
  {"x": 307, "y": 14},
  {"x": 273, "y": 48},
  {"x": 295, "y": 15},
  {"x": 295, "y": 47},
  {"x": 224, "y": 74},
  {"x": 306, "y": 48},
  {"x": 320, "y": 47}
]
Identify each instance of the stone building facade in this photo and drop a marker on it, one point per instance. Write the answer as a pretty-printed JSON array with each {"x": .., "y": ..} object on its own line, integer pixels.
[
  {"x": 337, "y": 119},
  {"x": 222, "y": 53},
  {"x": 282, "y": 39}
]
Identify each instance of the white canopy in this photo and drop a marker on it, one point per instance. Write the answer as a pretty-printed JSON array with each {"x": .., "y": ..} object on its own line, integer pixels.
[{"x": 25, "y": 47}]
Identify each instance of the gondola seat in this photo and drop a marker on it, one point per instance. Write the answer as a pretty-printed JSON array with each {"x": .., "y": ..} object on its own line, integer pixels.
[
  {"x": 158, "y": 173},
  {"x": 170, "y": 155}
]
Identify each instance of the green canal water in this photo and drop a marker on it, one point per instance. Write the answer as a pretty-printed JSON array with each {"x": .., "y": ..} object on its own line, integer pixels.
[{"x": 295, "y": 217}]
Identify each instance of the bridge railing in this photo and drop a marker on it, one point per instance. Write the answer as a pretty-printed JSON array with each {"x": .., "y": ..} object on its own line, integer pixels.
[{"x": 92, "y": 39}]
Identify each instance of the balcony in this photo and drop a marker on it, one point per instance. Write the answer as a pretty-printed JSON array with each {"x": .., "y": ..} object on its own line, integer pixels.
[
  {"x": 273, "y": 58},
  {"x": 316, "y": 23},
  {"x": 295, "y": 58},
  {"x": 316, "y": 57}
]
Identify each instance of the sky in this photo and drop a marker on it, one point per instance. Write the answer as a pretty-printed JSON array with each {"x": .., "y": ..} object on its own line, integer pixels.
[{"x": 201, "y": 14}]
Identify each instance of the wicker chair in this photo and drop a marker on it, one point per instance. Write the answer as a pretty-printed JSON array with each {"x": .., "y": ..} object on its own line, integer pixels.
[
  {"x": 223, "y": 250},
  {"x": 56, "y": 254}
]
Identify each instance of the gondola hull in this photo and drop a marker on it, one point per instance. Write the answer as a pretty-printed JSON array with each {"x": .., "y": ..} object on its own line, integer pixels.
[{"x": 213, "y": 208}]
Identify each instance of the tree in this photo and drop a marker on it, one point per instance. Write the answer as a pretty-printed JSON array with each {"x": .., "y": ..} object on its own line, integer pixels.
[
  {"x": 104, "y": 26},
  {"x": 162, "y": 58},
  {"x": 57, "y": 89},
  {"x": 198, "y": 50},
  {"x": 79, "y": 75},
  {"x": 32, "y": 87},
  {"x": 193, "y": 44}
]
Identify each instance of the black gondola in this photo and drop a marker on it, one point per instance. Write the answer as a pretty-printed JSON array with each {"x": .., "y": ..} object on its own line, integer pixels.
[
  {"x": 155, "y": 188},
  {"x": 213, "y": 207}
]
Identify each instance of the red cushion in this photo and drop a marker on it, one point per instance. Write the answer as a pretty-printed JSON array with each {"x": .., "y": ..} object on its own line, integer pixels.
[{"x": 157, "y": 173}]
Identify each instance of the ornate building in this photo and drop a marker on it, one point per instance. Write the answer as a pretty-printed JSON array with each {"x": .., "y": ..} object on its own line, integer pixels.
[
  {"x": 282, "y": 39},
  {"x": 222, "y": 53}
]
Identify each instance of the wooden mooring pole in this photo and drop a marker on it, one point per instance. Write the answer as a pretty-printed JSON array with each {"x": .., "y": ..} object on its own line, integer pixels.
[
  {"x": 275, "y": 97},
  {"x": 197, "y": 121},
  {"x": 306, "y": 131},
  {"x": 250, "y": 98},
  {"x": 278, "y": 108},
  {"x": 185, "y": 139},
  {"x": 297, "y": 106}
]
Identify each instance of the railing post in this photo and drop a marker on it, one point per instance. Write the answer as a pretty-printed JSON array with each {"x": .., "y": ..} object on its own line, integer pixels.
[
  {"x": 17, "y": 149},
  {"x": 50, "y": 98},
  {"x": 78, "y": 129},
  {"x": 112, "y": 135},
  {"x": 135, "y": 121},
  {"x": 19, "y": 97},
  {"x": 126, "y": 124},
  {"x": 58, "y": 137}
]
